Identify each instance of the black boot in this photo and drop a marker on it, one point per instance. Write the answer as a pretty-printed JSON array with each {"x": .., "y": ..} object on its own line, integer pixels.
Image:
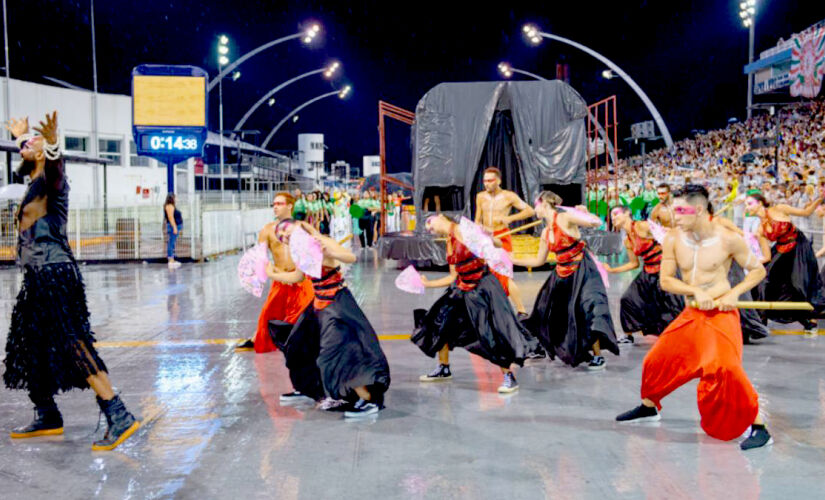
[
  {"x": 47, "y": 422},
  {"x": 121, "y": 424}
]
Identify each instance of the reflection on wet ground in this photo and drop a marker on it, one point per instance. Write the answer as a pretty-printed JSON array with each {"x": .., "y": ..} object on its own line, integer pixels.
[{"x": 214, "y": 428}]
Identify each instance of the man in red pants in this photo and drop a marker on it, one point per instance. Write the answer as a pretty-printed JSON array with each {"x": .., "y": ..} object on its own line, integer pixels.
[
  {"x": 284, "y": 302},
  {"x": 705, "y": 341},
  {"x": 493, "y": 207}
]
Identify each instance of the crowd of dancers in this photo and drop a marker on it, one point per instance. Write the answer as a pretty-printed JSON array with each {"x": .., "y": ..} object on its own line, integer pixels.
[{"x": 687, "y": 293}]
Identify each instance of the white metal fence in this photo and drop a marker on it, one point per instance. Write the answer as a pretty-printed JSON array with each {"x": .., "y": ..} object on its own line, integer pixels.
[{"x": 138, "y": 233}]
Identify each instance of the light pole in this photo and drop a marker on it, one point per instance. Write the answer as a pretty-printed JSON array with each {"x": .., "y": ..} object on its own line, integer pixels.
[
  {"x": 7, "y": 174},
  {"x": 223, "y": 50},
  {"x": 328, "y": 72},
  {"x": 306, "y": 36},
  {"x": 343, "y": 93},
  {"x": 747, "y": 12},
  {"x": 534, "y": 36}
]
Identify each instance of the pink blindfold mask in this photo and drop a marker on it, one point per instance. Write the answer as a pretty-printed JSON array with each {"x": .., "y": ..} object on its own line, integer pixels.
[
  {"x": 751, "y": 202},
  {"x": 684, "y": 210}
]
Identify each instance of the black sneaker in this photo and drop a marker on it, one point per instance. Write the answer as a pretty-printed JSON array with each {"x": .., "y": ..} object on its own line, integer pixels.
[
  {"x": 597, "y": 363},
  {"x": 509, "y": 385},
  {"x": 248, "y": 345},
  {"x": 362, "y": 409},
  {"x": 625, "y": 341},
  {"x": 47, "y": 422},
  {"x": 758, "y": 438},
  {"x": 440, "y": 374},
  {"x": 295, "y": 397},
  {"x": 641, "y": 413},
  {"x": 523, "y": 316}
]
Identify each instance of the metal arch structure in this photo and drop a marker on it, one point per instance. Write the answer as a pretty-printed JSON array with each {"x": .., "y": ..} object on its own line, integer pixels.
[
  {"x": 271, "y": 93},
  {"x": 387, "y": 110},
  {"x": 292, "y": 113},
  {"x": 633, "y": 85},
  {"x": 246, "y": 56}
]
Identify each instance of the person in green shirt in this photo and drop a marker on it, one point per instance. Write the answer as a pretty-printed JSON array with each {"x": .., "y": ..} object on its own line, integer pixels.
[
  {"x": 299, "y": 209},
  {"x": 367, "y": 221}
]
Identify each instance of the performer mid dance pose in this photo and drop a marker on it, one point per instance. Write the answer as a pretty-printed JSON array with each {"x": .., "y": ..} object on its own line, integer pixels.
[
  {"x": 50, "y": 348},
  {"x": 332, "y": 348},
  {"x": 645, "y": 307},
  {"x": 493, "y": 206},
  {"x": 791, "y": 264},
  {"x": 284, "y": 302},
  {"x": 571, "y": 314},
  {"x": 704, "y": 341},
  {"x": 473, "y": 313}
]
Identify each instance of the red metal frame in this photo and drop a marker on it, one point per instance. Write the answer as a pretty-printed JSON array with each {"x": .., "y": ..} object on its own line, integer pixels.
[
  {"x": 386, "y": 109},
  {"x": 598, "y": 164}
]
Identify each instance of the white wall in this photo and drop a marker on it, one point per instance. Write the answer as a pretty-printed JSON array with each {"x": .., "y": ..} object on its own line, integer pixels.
[
  {"x": 307, "y": 154},
  {"x": 372, "y": 165},
  {"x": 74, "y": 109}
]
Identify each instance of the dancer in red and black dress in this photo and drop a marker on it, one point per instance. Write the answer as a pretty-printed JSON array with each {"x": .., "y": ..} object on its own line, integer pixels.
[
  {"x": 791, "y": 264},
  {"x": 571, "y": 315},
  {"x": 332, "y": 348},
  {"x": 474, "y": 313},
  {"x": 645, "y": 307}
]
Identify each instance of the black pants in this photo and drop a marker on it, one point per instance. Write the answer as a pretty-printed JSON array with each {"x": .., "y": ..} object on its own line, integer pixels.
[{"x": 366, "y": 224}]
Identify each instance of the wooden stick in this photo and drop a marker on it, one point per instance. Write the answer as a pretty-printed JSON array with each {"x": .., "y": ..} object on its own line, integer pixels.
[
  {"x": 346, "y": 239},
  {"x": 519, "y": 229},
  {"x": 773, "y": 306}
]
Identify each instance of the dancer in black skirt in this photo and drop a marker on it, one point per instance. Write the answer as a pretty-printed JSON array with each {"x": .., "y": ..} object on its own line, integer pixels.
[
  {"x": 474, "y": 313},
  {"x": 50, "y": 348},
  {"x": 791, "y": 264},
  {"x": 645, "y": 307},
  {"x": 571, "y": 315},
  {"x": 332, "y": 348}
]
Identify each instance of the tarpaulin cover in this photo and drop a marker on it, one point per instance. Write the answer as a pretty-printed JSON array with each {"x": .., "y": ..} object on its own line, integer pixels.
[{"x": 452, "y": 122}]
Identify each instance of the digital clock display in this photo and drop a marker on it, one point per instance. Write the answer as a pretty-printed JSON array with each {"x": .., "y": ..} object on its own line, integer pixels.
[{"x": 170, "y": 143}]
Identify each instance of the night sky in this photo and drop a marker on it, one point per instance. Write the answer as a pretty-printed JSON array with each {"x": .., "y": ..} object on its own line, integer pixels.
[{"x": 688, "y": 56}]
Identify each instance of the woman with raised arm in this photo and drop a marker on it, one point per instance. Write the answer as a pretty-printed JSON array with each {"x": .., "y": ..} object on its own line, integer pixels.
[
  {"x": 332, "y": 348},
  {"x": 571, "y": 315},
  {"x": 474, "y": 313},
  {"x": 645, "y": 307},
  {"x": 791, "y": 264}
]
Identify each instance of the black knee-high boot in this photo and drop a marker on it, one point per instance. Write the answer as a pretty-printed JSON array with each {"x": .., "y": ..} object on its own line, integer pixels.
[
  {"x": 47, "y": 419},
  {"x": 121, "y": 424}
]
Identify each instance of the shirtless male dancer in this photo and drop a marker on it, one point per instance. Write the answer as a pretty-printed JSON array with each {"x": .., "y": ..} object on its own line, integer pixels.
[
  {"x": 284, "y": 302},
  {"x": 705, "y": 340},
  {"x": 493, "y": 206},
  {"x": 663, "y": 212}
]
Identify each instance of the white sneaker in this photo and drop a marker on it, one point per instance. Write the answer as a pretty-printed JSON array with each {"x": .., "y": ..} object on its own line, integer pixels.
[{"x": 174, "y": 264}]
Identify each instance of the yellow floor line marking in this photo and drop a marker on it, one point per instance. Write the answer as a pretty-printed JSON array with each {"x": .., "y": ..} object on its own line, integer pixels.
[
  {"x": 200, "y": 342},
  {"x": 792, "y": 332}
]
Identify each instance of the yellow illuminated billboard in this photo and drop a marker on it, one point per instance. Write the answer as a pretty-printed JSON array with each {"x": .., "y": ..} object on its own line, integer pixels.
[{"x": 169, "y": 101}]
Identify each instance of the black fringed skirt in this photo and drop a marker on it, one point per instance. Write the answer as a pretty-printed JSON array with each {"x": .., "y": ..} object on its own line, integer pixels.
[
  {"x": 50, "y": 346},
  {"x": 480, "y": 320}
]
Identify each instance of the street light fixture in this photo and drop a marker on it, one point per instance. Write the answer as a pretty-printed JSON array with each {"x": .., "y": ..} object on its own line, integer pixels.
[
  {"x": 608, "y": 74},
  {"x": 223, "y": 50},
  {"x": 328, "y": 71},
  {"x": 534, "y": 37},
  {"x": 311, "y": 33},
  {"x": 295, "y": 119},
  {"x": 747, "y": 12},
  {"x": 345, "y": 91},
  {"x": 236, "y": 75},
  {"x": 505, "y": 69}
]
